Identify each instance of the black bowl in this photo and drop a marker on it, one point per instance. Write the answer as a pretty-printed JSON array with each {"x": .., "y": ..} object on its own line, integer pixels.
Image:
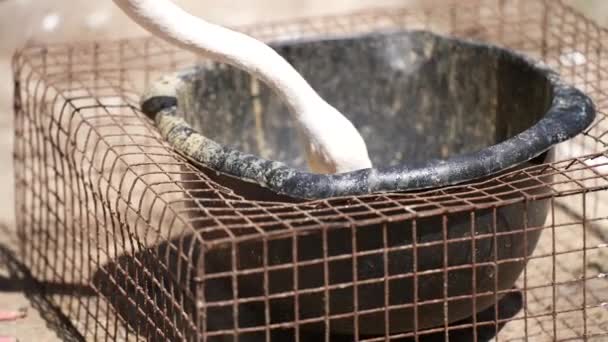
[{"x": 434, "y": 111}]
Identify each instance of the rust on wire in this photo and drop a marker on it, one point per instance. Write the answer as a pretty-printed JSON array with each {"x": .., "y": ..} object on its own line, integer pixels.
[{"x": 163, "y": 252}]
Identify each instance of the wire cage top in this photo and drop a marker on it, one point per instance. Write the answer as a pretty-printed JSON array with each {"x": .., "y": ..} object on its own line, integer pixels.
[{"x": 103, "y": 201}]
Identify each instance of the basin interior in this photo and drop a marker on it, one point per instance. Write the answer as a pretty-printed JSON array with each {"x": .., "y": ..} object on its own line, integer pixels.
[{"x": 413, "y": 95}]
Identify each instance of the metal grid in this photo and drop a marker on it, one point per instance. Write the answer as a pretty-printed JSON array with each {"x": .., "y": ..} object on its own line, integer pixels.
[{"x": 105, "y": 205}]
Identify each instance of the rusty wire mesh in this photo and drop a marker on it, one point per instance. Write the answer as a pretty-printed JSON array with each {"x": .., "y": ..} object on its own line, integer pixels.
[{"x": 106, "y": 206}]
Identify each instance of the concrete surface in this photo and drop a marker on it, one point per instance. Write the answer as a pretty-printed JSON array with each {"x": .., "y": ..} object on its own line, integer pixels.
[{"x": 27, "y": 21}]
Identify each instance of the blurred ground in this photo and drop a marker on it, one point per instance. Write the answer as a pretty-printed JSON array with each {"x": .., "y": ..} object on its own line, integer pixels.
[{"x": 27, "y": 21}]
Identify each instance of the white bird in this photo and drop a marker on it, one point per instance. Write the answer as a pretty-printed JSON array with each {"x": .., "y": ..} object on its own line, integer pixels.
[{"x": 332, "y": 143}]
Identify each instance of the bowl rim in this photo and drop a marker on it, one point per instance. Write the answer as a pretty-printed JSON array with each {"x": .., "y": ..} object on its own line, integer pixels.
[{"x": 570, "y": 113}]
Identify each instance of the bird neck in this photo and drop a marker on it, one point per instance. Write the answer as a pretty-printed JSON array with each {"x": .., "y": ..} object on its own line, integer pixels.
[{"x": 166, "y": 20}]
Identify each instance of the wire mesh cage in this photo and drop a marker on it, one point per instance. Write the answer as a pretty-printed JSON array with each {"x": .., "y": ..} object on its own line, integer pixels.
[{"x": 155, "y": 249}]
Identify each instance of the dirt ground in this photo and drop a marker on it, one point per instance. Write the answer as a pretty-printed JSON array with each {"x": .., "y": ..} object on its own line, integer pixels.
[{"x": 23, "y": 21}]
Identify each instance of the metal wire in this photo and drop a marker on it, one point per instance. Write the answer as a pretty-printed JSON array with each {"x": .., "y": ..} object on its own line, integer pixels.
[{"x": 103, "y": 202}]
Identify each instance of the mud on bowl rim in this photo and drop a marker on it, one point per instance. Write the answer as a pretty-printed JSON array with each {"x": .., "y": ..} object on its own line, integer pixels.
[{"x": 569, "y": 113}]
